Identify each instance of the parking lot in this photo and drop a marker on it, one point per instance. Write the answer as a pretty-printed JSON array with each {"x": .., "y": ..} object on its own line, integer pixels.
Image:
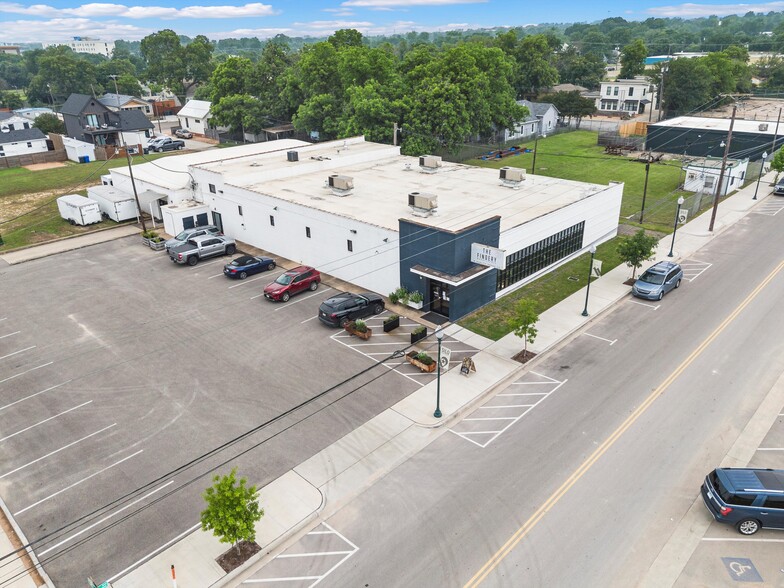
[{"x": 117, "y": 367}]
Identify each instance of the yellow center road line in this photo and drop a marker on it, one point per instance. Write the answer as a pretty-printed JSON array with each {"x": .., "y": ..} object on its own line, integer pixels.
[{"x": 518, "y": 536}]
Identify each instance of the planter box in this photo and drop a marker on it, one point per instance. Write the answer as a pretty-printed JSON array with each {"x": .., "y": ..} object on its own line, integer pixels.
[
  {"x": 411, "y": 358},
  {"x": 157, "y": 245},
  {"x": 391, "y": 325},
  {"x": 359, "y": 334},
  {"x": 417, "y": 337},
  {"x": 415, "y": 305}
]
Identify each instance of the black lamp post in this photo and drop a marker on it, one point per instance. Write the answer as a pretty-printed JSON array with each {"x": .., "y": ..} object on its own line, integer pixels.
[
  {"x": 675, "y": 226},
  {"x": 590, "y": 272},
  {"x": 759, "y": 177},
  {"x": 439, "y": 336}
]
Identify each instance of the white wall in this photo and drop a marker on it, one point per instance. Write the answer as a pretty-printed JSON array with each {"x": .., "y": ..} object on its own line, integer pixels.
[
  {"x": 697, "y": 178},
  {"x": 23, "y": 147},
  {"x": 373, "y": 265},
  {"x": 75, "y": 149},
  {"x": 188, "y": 122}
]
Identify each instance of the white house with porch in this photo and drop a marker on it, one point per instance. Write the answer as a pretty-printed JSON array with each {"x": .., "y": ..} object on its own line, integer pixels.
[{"x": 626, "y": 96}]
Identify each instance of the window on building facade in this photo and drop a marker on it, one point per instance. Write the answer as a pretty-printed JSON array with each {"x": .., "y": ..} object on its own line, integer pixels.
[
  {"x": 92, "y": 120},
  {"x": 615, "y": 91},
  {"x": 631, "y": 91},
  {"x": 29, "y": 144},
  {"x": 239, "y": 208},
  {"x": 272, "y": 221},
  {"x": 307, "y": 232},
  {"x": 609, "y": 90},
  {"x": 540, "y": 255},
  {"x": 350, "y": 245},
  {"x": 212, "y": 188},
  {"x": 196, "y": 120}
]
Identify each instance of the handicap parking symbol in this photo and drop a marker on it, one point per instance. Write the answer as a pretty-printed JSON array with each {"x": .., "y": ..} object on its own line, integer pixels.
[{"x": 741, "y": 569}]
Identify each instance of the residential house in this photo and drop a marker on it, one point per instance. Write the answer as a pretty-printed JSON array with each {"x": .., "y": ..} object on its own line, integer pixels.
[
  {"x": 195, "y": 115},
  {"x": 542, "y": 119},
  {"x": 33, "y": 113},
  {"x": 22, "y": 142},
  {"x": 88, "y": 120},
  {"x": 10, "y": 121},
  {"x": 117, "y": 102},
  {"x": 630, "y": 97},
  {"x": 10, "y": 49},
  {"x": 702, "y": 175}
]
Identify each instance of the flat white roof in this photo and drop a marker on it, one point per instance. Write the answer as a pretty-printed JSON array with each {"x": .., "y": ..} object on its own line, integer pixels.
[
  {"x": 76, "y": 200},
  {"x": 172, "y": 172},
  {"x": 720, "y": 124},
  {"x": 383, "y": 180},
  {"x": 195, "y": 108},
  {"x": 109, "y": 193}
]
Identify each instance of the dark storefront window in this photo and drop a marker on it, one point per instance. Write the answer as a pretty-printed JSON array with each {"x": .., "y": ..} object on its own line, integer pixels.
[{"x": 536, "y": 257}]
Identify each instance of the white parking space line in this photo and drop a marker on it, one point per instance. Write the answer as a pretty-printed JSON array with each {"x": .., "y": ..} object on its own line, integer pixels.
[
  {"x": 202, "y": 264},
  {"x": 505, "y": 406},
  {"x": 283, "y": 579},
  {"x": 694, "y": 269},
  {"x": 26, "y": 372},
  {"x": 770, "y": 448},
  {"x": 153, "y": 553},
  {"x": 256, "y": 279},
  {"x": 315, "y": 553},
  {"x": 10, "y": 334},
  {"x": 33, "y": 395},
  {"x": 309, "y": 319},
  {"x": 51, "y": 453},
  {"x": 103, "y": 520},
  {"x": 25, "y": 509},
  {"x": 290, "y": 303},
  {"x": 215, "y": 276},
  {"x": 742, "y": 539},
  {"x": 19, "y": 432},
  {"x": 610, "y": 341},
  {"x": 386, "y": 365},
  {"x": 4, "y": 318},
  {"x": 656, "y": 307},
  {"x": 20, "y": 351}
]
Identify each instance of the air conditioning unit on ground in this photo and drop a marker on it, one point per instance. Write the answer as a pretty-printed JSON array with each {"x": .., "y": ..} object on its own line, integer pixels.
[
  {"x": 509, "y": 175},
  {"x": 429, "y": 163},
  {"x": 423, "y": 203}
]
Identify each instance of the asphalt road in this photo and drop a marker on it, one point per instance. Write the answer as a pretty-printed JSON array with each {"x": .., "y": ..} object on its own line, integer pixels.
[
  {"x": 118, "y": 366},
  {"x": 586, "y": 487}
]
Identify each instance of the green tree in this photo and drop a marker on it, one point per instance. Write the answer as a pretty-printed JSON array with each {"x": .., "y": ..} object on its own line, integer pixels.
[
  {"x": 778, "y": 163},
  {"x": 636, "y": 249},
  {"x": 571, "y": 105},
  {"x": 231, "y": 77},
  {"x": 240, "y": 112},
  {"x": 582, "y": 70},
  {"x": 687, "y": 86},
  {"x": 232, "y": 509},
  {"x": 524, "y": 323},
  {"x": 534, "y": 68},
  {"x": 11, "y": 100},
  {"x": 633, "y": 59},
  {"x": 346, "y": 38},
  {"x": 197, "y": 61},
  {"x": 60, "y": 72},
  {"x": 49, "y": 123}
]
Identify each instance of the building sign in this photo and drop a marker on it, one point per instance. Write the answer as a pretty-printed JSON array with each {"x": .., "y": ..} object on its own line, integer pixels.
[
  {"x": 596, "y": 269},
  {"x": 446, "y": 356},
  {"x": 683, "y": 215},
  {"x": 490, "y": 256}
]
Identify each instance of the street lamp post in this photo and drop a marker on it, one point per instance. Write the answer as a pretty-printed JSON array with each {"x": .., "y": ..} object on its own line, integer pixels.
[
  {"x": 439, "y": 336},
  {"x": 675, "y": 226},
  {"x": 759, "y": 177},
  {"x": 588, "y": 287}
]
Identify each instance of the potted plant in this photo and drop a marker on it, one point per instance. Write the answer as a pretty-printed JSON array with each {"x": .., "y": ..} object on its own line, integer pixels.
[
  {"x": 400, "y": 295},
  {"x": 359, "y": 329},
  {"x": 415, "y": 300},
  {"x": 421, "y": 360},
  {"x": 152, "y": 240},
  {"x": 419, "y": 333},
  {"x": 391, "y": 323}
]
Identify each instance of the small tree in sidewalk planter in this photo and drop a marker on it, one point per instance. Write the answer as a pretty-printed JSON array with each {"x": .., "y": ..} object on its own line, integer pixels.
[
  {"x": 777, "y": 163},
  {"x": 232, "y": 510},
  {"x": 524, "y": 325},
  {"x": 636, "y": 249}
]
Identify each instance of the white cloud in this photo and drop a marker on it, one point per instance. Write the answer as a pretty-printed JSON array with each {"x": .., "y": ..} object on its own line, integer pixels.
[
  {"x": 690, "y": 10},
  {"x": 406, "y": 3},
  {"x": 57, "y": 29},
  {"x": 333, "y": 25},
  {"x": 136, "y": 12},
  {"x": 340, "y": 11}
]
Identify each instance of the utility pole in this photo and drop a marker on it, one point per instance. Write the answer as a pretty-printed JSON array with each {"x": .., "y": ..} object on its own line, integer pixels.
[
  {"x": 645, "y": 187},
  {"x": 394, "y": 134},
  {"x": 775, "y": 135},
  {"x": 719, "y": 188}
]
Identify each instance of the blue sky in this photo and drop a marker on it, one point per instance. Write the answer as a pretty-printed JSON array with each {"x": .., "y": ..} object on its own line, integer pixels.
[{"x": 55, "y": 20}]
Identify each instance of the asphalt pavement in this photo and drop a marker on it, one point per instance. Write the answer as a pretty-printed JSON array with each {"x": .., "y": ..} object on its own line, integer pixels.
[{"x": 330, "y": 480}]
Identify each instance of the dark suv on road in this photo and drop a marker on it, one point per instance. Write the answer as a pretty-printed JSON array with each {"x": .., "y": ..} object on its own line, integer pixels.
[
  {"x": 339, "y": 310},
  {"x": 747, "y": 498}
]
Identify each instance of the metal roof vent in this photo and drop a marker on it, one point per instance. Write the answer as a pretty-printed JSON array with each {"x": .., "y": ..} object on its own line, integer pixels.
[
  {"x": 341, "y": 185},
  {"x": 423, "y": 203},
  {"x": 511, "y": 177},
  {"x": 763, "y": 127},
  {"x": 429, "y": 164},
  {"x": 292, "y": 156}
]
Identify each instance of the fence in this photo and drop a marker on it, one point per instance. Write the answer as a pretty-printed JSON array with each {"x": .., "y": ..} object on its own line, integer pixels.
[
  {"x": 615, "y": 138},
  {"x": 33, "y": 158}
]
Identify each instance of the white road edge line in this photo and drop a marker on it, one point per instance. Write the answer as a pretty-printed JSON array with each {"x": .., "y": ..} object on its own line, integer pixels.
[
  {"x": 104, "y": 519},
  {"x": 770, "y": 448},
  {"x": 506, "y": 406},
  {"x": 743, "y": 539},
  {"x": 19, "y": 432},
  {"x": 57, "y": 451},
  {"x": 290, "y": 303},
  {"x": 25, "y": 509},
  {"x": 20, "y": 351},
  {"x": 610, "y": 341},
  {"x": 643, "y": 304},
  {"x": 25, "y": 372},
  {"x": 286, "y": 579},
  {"x": 153, "y": 553},
  {"x": 314, "y": 554}
]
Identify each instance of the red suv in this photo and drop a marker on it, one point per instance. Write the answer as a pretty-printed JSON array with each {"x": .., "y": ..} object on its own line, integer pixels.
[{"x": 293, "y": 282}]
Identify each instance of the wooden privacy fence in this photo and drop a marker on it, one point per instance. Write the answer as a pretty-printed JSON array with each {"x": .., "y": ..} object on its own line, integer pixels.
[
  {"x": 31, "y": 158},
  {"x": 634, "y": 127}
]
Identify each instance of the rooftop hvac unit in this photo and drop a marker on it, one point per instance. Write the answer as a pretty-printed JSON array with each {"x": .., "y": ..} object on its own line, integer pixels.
[
  {"x": 339, "y": 182},
  {"x": 429, "y": 163},
  {"x": 423, "y": 201},
  {"x": 292, "y": 156},
  {"x": 511, "y": 174},
  {"x": 763, "y": 127}
]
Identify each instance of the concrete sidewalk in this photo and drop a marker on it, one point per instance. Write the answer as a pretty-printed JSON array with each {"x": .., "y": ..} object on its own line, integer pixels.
[{"x": 330, "y": 479}]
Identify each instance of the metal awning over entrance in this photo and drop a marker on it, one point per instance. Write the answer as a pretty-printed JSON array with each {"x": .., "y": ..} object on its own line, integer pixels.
[{"x": 451, "y": 279}]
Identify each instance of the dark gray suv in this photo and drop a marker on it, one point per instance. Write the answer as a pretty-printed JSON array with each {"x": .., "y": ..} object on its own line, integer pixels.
[{"x": 747, "y": 498}]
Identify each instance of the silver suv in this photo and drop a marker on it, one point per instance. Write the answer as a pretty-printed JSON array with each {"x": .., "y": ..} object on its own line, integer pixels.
[
  {"x": 190, "y": 233},
  {"x": 657, "y": 280}
]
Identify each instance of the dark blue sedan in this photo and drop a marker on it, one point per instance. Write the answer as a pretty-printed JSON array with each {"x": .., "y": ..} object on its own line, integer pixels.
[{"x": 244, "y": 266}]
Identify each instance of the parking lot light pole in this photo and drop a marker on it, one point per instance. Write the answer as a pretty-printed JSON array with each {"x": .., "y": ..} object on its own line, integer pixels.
[
  {"x": 675, "y": 226},
  {"x": 439, "y": 336},
  {"x": 759, "y": 177},
  {"x": 590, "y": 272}
]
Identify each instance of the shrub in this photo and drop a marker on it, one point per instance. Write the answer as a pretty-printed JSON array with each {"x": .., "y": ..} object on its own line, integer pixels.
[
  {"x": 359, "y": 326},
  {"x": 420, "y": 329},
  {"x": 393, "y": 297},
  {"x": 391, "y": 318},
  {"x": 415, "y": 297},
  {"x": 148, "y": 234},
  {"x": 402, "y": 294},
  {"x": 424, "y": 358}
]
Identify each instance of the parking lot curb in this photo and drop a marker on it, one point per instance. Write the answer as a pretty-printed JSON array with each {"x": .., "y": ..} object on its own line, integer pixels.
[{"x": 38, "y": 570}]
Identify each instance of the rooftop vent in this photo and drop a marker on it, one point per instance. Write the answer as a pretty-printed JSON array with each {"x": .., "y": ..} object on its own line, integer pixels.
[
  {"x": 429, "y": 163},
  {"x": 423, "y": 203},
  {"x": 292, "y": 156},
  {"x": 511, "y": 177},
  {"x": 763, "y": 127},
  {"x": 340, "y": 185}
]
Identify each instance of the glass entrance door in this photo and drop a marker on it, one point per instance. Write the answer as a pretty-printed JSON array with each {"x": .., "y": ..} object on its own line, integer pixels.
[
  {"x": 439, "y": 297},
  {"x": 217, "y": 220}
]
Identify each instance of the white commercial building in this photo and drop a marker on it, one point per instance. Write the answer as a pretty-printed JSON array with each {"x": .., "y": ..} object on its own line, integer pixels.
[
  {"x": 364, "y": 213},
  {"x": 86, "y": 45}
]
